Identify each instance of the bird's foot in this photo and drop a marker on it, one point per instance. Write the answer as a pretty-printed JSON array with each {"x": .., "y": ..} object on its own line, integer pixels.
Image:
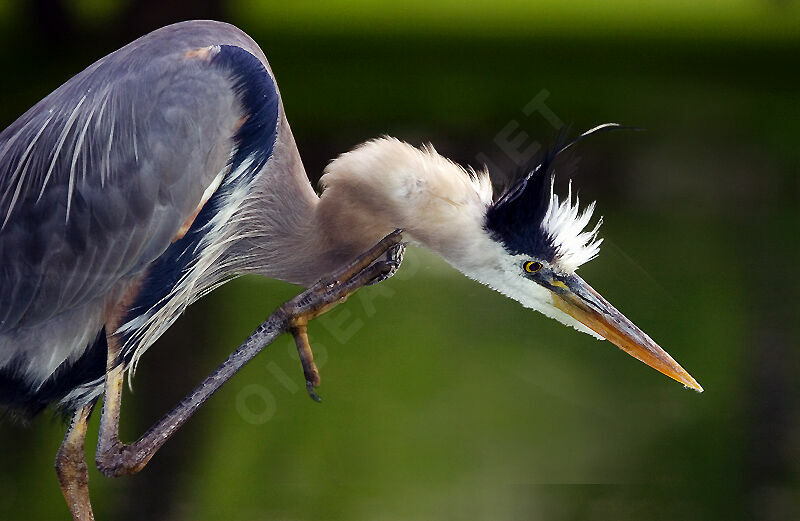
[
  {"x": 376, "y": 264},
  {"x": 394, "y": 256}
]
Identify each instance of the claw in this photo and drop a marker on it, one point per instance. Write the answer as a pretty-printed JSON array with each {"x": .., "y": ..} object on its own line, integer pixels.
[
  {"x": 360, "y": 264},
  {"x": 310, "y": 388},
  {"x": 393, "y": 258}
]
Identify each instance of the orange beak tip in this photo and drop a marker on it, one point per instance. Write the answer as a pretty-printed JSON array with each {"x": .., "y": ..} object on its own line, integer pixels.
[{"x": 694, "y": 386}]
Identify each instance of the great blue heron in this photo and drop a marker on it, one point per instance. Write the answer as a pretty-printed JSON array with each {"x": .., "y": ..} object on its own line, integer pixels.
[{"x": 168, "y": 167}]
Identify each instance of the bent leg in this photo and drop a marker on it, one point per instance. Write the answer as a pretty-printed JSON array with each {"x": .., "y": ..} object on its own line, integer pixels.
[{"x": 115, "y": 458}]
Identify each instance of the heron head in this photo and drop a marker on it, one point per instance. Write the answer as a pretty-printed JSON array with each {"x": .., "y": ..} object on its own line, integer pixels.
[
  {"x": 525, "y": 244},
  {"x": 537, "y": 242}
]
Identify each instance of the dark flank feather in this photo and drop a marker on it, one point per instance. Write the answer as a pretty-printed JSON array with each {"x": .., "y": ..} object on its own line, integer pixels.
[{"x": 22, "y": 400}]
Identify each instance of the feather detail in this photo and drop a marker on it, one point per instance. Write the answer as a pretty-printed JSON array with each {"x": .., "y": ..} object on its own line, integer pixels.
[{"x": 530, "y": 219}]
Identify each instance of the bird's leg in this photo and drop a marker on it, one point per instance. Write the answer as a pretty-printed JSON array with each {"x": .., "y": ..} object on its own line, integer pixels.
[
  {"x": 115, "y": 458},
  {"x": 71, "y": 467},
  {"x": 322, "y": 298}
]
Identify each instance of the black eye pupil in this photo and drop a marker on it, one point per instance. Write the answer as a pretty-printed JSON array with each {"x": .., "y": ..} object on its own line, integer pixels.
[{"x": 532, "y": 267}]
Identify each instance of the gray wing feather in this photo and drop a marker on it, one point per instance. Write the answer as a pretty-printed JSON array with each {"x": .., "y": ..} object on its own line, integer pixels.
[{"x": 96, "y": 179}]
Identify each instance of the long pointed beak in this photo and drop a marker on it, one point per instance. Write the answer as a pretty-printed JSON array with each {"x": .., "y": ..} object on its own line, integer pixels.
[{"x": 575, "y": 297}]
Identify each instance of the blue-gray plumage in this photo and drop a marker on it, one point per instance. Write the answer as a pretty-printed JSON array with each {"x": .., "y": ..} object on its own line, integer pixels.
[
  {"x": 97, "y": 179},
  {"x": 168, "y": 167}
]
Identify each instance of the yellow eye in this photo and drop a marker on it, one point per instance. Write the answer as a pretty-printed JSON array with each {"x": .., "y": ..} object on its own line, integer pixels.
[{"x": 532, "y": 266}]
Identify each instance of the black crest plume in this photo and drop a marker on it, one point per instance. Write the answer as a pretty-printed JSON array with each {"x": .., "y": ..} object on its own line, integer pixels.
[{"x": 515, "y": 218}]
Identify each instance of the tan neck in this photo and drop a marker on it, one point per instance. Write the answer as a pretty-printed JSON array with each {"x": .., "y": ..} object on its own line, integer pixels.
[{"x": 381, "y": 186}]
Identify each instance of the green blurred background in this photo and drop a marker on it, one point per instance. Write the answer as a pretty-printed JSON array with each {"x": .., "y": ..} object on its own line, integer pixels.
[{"x": 442, "y": 399}]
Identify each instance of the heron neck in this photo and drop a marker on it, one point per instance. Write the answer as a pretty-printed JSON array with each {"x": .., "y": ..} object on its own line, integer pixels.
[
  {"x": 367, "y": 193},
  {"x": 387, "y": 184}
]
